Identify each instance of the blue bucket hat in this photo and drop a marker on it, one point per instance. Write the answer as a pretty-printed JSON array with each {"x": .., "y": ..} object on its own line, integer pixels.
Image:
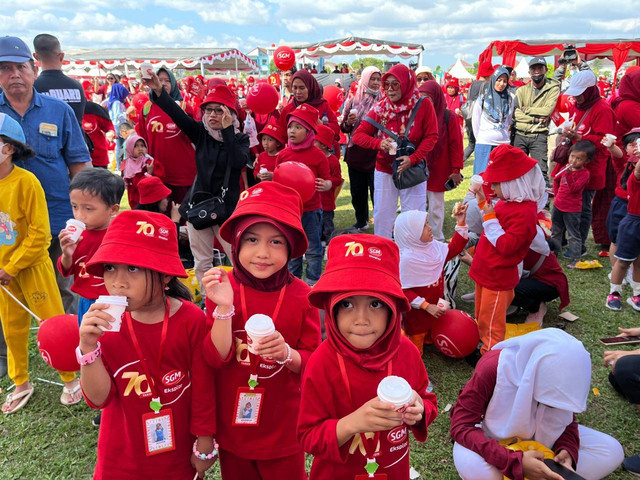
[
  {"x": 10, "y": 128},
  {"x": 13, "y": 49}
]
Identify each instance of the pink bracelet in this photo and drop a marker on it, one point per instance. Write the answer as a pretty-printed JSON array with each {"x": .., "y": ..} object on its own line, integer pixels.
[
  {"x": 203, "y": 456},
  {"x": 225, "y": 316}
]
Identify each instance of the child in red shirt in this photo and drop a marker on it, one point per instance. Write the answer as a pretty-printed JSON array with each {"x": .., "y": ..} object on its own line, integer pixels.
[
  {"x": 273, "y": 139},
  {"x": 151, "y": 370},
  {"x": 138, "y": 165},
  {"x": 301, "y": 131},
  {"x": 324, "y": 141},
  {"x": 95, "y": 195},
  {"x": 509, "y": 229},
  {"x": 568, "y": 186},
  {"x": 422, "y": 260},
  {"x": 342, "y": 422},
  {"x": 264, "y": 232}
]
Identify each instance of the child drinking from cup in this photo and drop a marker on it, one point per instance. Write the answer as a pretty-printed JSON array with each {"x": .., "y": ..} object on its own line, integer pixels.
[
  {"x": 138, "y": 165},
  {"x": 509, "y": 229},
  {"x": 273, "y": 139},
  {"x": 26, "y": 272},
  {"x": 301, "y": 130},
  {"x": 422, "y": 260},
  {"x": 264, "y": 231},
  {"x": 95, "y": 195},
  {"x": 324, "y": 141},
  {"x": 342, "y": 422},
  {"x": 150, "y": 371}
]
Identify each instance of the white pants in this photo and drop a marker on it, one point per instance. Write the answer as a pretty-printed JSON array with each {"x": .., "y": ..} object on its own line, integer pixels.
[
  {"x": 385, "y": 206},
  {"x": 599, "y": 455},
  {"x": 201, "y": 243},
  {"x": 435, "y": 208}
]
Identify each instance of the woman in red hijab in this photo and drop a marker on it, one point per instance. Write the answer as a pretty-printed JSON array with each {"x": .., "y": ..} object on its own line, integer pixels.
[
  {"x": 445, "y": 160},
  {"x": 400, "y": 97},
  {"x": 306, "y": 89}
]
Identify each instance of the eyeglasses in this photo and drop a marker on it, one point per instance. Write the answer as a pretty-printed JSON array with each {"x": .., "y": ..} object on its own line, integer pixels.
[
  {"x": 110, "y": 78},
  {"x": 211, "y": 111},
  {"x": 421, "y": 79},
  {"x": 391, "y": 86}
]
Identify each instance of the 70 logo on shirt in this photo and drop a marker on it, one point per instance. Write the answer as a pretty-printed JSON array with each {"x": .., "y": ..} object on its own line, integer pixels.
[{"x": 136, "y": 382}]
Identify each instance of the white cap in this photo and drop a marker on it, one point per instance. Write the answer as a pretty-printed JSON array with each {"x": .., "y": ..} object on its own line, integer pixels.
[
  {"x": 423, "y": 69},
  {"x": 580, "y": 82}
]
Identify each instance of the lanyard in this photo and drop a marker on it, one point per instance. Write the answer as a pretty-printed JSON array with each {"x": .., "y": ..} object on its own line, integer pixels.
[
  {"x": 370, "y": 444},
  {"x": 155, "y": 400},
  {"x": 254, "y": 359}
]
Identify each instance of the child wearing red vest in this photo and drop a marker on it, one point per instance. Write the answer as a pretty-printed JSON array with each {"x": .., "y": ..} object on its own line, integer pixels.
[
  {"x": 342, "y": 422},
  {"x": 146, "y": 367},
  {"x": 301, "y": 131},
  {"x": 508, "y": 232},
  {"x": 264, "y": 232},
  {"x": 273, "y": 139},
  {"x": 324, "y": 141}
]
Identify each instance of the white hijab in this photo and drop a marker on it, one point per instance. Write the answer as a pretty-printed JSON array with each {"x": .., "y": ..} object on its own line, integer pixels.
[
  {"x": 421, "y": 263},
  {"x": 543, "y": 379},
  {"x": 528, "y": 187}
]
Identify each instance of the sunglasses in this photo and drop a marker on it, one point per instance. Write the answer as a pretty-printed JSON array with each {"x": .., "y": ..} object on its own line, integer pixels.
[
  {"x": 211, "y": 111},
  {"x": 391, "y": 86}
]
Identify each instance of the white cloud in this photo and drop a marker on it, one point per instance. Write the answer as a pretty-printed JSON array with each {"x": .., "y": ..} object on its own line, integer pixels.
[
  {"x": 234, "y": 12},
  {"x": 298, "y": 26}
]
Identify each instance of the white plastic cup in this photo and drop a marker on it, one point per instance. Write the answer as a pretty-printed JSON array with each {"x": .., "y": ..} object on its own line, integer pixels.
[
  {"x": 143, "y": 70},
  {"x": 442, "y": 303},
  {"x": 353, "y": 111},
  {"x": 258, "y": 326},
  {"x": 263, "y": 170},
  {"x": 75, "y": 228},
  {"x": 117, "y": 306},
  {"x": 394, "y": 148},
  {"x": 476, "y": 183},
  {"x": 610, "y": 140},
  {"x": 395, "y": 390}
]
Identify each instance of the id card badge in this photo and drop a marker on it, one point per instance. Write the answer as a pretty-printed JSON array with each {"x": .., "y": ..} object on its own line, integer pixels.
[
  {"x": 375, "y": 476},
  {"x": 48, "y": 129},
  {"x": 158, "y": 431},
  {"x": 248, "y": 407}
]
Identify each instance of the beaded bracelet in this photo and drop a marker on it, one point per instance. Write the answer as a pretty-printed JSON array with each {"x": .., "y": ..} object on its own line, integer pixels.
[
  {"x": 288, "y": 359},
  {"x": 203, "y": 456},
  {"x": 226, "y": 316}
]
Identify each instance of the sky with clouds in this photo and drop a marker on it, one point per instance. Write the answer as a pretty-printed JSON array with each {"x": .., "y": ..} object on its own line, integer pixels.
[{"x": 447, "y": 29}]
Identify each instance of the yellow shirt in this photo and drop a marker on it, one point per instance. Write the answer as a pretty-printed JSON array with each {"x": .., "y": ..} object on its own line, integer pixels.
[{"x": 25, "y": 234}]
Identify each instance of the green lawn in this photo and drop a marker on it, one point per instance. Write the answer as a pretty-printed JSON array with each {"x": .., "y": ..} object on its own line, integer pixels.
[{"x": 49, "y": 441}]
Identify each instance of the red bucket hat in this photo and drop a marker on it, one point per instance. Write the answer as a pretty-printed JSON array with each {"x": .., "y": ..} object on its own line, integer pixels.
[
  {"x": 325, "y": 136},
  {"x": 361, "y": 263},
  {"x": 275, "y": 131},
  {"x": 220, "y": 94},
  {"x": 507, "y": 163},
  {"x": 273, "y": 201},
  {"x": 152, "y": 190},
  {"x": 141, "y": 239},
  {"x": 485, "y": 70},
  {"x": 307, "y": 114}
]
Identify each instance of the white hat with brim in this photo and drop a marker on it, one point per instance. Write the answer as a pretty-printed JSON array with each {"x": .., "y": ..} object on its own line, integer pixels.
[{"x": 580, "y": 82}]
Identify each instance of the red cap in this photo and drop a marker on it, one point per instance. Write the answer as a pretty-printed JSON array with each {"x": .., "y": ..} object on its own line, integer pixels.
[
  {"x": 325, "y": 136},
  {"x": 220, "y": 94},
  {"x": 507, "y": 163},
  {"x": 250, "y": 79},
  {"x": 485, "y": 69},
  {"x": 152, "y": 190},
  {"x": 141, "y": 239},
  {"x": 306, "y": 113},
  {"x": 273, "y": 201},
  {"x": 273, "y": 129},
  {"x": 453, "y": 82},
  {"x": 360, "y": 263}
]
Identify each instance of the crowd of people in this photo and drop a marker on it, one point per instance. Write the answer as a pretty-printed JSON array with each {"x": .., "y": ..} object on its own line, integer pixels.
[{"x": 337, "y": 346}]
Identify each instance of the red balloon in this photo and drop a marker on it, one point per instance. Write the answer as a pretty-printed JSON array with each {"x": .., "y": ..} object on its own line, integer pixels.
[
  {"x": 139, "y": 100},
  {"x": 297, "y": 176},
  {"x": 58, "y": 338},
  {"x": 334, "y": 97},
  {"x": 455, "y": 334},
  {"x": 262, "y": 98},
  {"x": 284, "y": 57}
]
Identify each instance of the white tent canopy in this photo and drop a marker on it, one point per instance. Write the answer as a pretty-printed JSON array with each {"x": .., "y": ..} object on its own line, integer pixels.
[
  {"x": 187, "y": 58},
  {"x": 359, "y": 46},
  {"x": 458, "y": 71},
  {"x": 522, "y": 69}
]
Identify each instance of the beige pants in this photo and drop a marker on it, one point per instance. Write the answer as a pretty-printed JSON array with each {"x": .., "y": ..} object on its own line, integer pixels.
[{"x": 201, "y": 242}]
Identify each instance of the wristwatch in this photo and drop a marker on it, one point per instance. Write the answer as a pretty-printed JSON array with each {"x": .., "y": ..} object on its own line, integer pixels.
[{"x": 88, "y": 358}]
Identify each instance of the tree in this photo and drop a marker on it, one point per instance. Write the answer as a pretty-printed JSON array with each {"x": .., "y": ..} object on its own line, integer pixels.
[
  {"x": 438, "y": 69},
  {"x": 366, "y": 62},
  {"x": 596, "y": 65},
  {"x": 272, "y": 67}
]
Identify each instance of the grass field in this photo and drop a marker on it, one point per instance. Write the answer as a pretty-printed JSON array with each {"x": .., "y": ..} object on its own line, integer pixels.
[{"x": 48, "y": 441}]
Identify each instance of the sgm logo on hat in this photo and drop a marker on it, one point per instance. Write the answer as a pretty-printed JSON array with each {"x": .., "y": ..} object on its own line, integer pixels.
[
  {"x": 256, "y": 192},
  {"x": 163, "y": 233},
  {"x": 375, "y": 251}
]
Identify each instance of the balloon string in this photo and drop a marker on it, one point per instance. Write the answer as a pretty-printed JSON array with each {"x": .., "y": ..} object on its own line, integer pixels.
[{"x": 21, "y": 304}]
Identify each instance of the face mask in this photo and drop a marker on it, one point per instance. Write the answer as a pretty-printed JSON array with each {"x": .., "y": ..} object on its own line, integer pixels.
[
  {"x": 537, "y": 78},
  {"x": 3, "y": 156}
]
